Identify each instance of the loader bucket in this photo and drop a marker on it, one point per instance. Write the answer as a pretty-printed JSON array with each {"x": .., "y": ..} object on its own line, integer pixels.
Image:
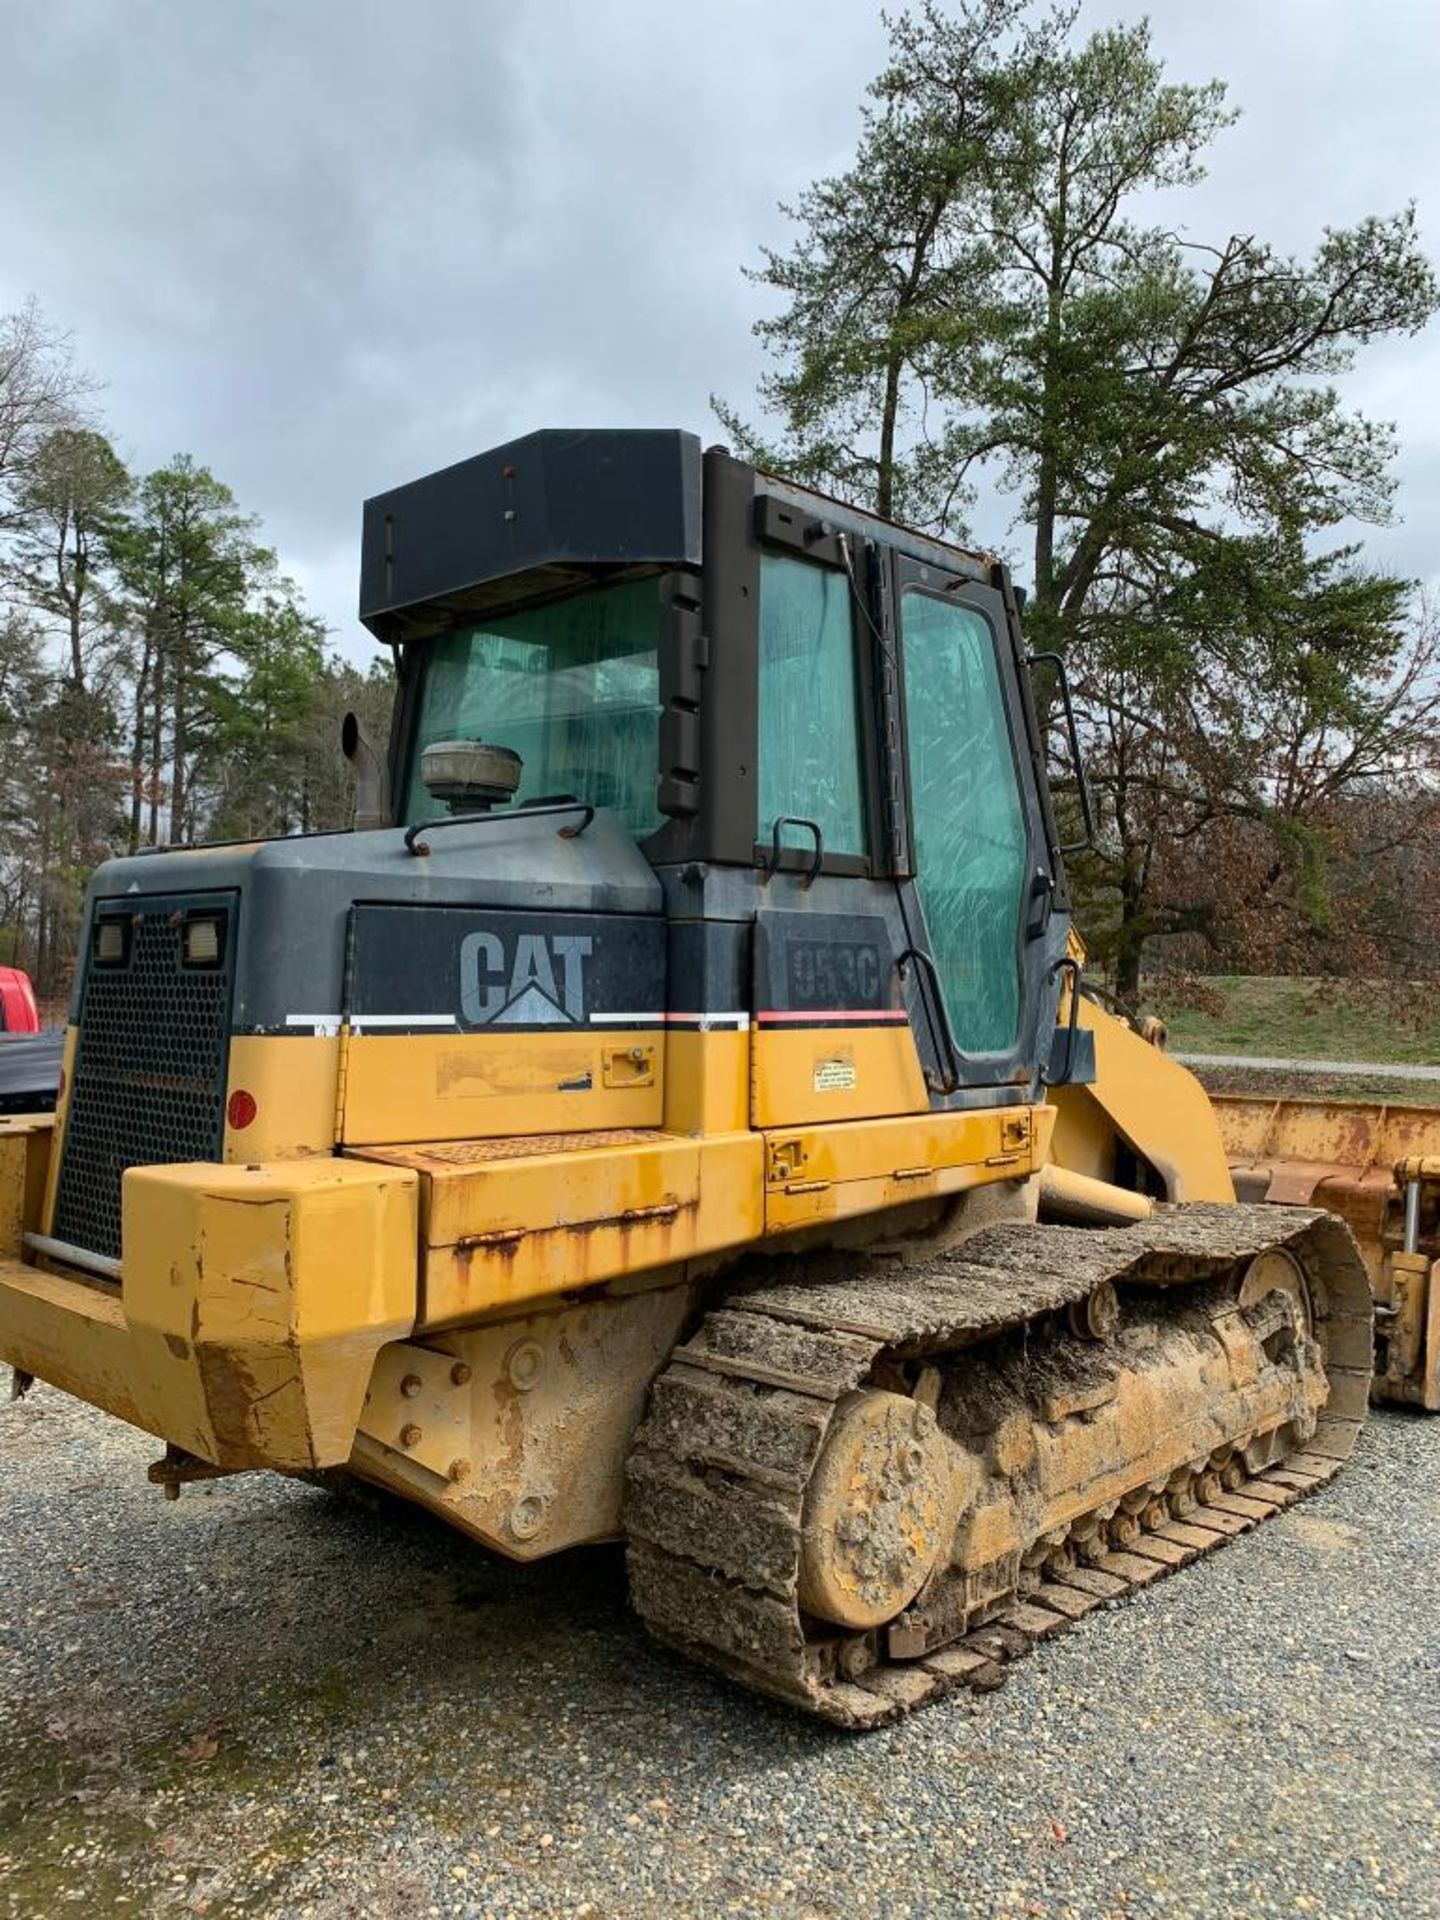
[{"x": 1377, "y": 1164}]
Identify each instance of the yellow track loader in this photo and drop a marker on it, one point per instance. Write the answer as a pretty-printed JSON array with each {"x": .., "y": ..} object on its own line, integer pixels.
[{"x": 674, "y": 1114}]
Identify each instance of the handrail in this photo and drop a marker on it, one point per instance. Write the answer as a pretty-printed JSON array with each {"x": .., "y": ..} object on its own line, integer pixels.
[
  {"x": 413, "y": 833},
  {"x": 1067, "y": 963},
  {"x": 812, "y": 827},
  {"x": 951, "y": 1052}
]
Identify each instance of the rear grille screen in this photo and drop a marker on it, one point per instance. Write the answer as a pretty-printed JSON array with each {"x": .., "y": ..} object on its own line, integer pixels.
[{"x": 149, "y": 1076}]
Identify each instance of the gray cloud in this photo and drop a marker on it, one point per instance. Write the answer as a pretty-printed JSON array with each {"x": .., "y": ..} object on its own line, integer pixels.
[{"x": 328, "y": 246}]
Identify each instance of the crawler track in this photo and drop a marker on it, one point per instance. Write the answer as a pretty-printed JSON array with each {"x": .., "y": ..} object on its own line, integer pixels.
[{"x": 720, "y": 1468}]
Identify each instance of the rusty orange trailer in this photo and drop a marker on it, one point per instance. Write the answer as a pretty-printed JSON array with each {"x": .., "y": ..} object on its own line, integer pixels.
[{"x": 1376, "y": 1164}]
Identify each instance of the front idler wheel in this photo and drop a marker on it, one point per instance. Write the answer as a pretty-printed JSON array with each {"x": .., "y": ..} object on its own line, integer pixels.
[{"x": 880, "y": 1510}]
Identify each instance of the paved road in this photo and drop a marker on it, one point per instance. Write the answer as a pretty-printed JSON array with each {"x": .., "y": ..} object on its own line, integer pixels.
[
  {"x": 264, "y": 1701},
  {"x": 1264, "y": 1063}
]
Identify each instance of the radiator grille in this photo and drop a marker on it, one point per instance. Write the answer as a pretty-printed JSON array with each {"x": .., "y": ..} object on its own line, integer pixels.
[{"x": 149, "y": 1075}]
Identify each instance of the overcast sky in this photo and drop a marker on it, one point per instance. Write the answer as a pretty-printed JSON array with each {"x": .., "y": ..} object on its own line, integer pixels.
[{"x": 328, "y": 245}]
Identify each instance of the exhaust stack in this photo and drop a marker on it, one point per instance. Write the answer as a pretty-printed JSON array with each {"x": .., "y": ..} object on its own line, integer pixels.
[{"x": 372, "y": 782}]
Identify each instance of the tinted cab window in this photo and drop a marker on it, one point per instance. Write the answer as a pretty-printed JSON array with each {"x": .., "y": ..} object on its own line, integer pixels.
[
  {"x": 810, "y": 760},
  {"x": 971, "y": 843}
]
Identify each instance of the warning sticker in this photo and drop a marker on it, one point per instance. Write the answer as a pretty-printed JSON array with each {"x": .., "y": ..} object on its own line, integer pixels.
[{"x": 834, "y": 1076}]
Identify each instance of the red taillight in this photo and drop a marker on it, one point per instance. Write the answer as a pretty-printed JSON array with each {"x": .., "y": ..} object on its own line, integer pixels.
[{"x": 240, "y": 1110}]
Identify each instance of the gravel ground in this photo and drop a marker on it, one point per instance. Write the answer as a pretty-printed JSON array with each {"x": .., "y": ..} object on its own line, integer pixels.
[{"x": 266, "y": 1701}]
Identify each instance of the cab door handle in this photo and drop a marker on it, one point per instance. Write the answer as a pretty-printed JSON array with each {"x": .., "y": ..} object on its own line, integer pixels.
[{"x": 1042, "y": 904}]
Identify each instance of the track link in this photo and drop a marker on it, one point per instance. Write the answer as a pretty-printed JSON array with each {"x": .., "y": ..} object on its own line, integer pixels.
[{"x": 718, "y": 1474}]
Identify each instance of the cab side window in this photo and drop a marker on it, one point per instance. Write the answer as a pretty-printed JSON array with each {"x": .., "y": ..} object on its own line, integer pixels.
[
  {"x": 970, "y": 834},
  {"x": 810, "y": 758}
]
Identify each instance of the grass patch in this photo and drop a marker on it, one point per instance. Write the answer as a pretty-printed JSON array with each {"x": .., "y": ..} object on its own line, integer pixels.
[
  {"x": 1284, "y": 1083},
  {"x": 1297, "y": 1019},
  {"x": 94, "y": 1818}
]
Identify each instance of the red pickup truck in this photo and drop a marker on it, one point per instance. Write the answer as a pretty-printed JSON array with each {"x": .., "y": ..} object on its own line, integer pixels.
[
  {"x": 29, "y": 1059},
  {"x": 18, "y": 1011}
]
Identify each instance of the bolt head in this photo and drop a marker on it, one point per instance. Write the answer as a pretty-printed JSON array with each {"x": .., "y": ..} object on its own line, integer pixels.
[
  {"x": 527, "y": 1516},
  {"x": 524, "y": 1364},
  {"x": 856, "y": 1657}
]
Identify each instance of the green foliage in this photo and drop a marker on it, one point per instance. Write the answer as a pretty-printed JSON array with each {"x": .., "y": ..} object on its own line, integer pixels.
[
  {"x": 160, "y": 679},
  {"x": 260, "y": 714},
  {"x": 979, "y": 296}
]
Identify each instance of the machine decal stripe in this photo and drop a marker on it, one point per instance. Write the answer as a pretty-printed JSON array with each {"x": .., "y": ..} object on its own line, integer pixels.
[
  {"x": 736, "y": 1020},
  {"x": 397, "y": 1028},
  {"x": 359, "y": 1022},
  {"x": 834, "y": 1016}
]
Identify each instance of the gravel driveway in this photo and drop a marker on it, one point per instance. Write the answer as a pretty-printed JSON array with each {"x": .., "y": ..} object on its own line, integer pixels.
[{"x": 266, "y": 1701}]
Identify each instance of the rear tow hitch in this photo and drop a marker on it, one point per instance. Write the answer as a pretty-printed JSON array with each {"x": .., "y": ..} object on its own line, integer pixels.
[{"x": 179, "y": 1467}]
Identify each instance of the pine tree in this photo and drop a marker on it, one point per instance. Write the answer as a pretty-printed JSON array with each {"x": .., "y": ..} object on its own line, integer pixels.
[{"x": 978, "y": 296}]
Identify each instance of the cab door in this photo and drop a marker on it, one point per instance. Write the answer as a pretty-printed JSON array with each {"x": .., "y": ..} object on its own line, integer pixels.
[{"x": 983, "y": 878}]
